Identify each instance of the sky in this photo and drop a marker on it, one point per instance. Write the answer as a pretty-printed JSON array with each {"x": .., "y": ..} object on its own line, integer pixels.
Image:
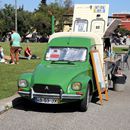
[{"x": 115, "y": 6}]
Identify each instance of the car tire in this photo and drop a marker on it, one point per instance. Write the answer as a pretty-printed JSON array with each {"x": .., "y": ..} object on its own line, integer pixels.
[{"x": 85, "y": 102}]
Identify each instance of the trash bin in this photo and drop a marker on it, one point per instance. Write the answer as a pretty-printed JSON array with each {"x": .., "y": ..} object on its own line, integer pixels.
[{"x": 118, "y": 82}]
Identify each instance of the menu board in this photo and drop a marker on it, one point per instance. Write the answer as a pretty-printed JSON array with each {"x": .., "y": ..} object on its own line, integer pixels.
[{"x": 98, "y": 71}]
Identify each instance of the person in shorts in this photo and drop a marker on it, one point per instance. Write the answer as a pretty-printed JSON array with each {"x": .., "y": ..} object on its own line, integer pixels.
[{"x": 15, "y": 46}]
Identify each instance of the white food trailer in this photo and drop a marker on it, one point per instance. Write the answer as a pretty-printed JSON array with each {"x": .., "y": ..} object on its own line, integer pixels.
[{"x": 91, "y": 18}]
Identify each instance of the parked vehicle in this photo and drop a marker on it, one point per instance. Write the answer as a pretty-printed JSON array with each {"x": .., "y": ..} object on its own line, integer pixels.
[{"x": 65, "y": 74}]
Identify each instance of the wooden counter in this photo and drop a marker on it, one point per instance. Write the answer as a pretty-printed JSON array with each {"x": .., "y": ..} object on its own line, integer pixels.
[
  {"x": 112, "y": 60},
  {"x": 110, "y": 63}
]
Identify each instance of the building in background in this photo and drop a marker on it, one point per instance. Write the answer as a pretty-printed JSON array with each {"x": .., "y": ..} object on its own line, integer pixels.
[{"x": 125, "y": 19}]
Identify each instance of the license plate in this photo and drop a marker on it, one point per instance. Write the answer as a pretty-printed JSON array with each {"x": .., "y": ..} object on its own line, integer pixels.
[{"x": 46, "y": 100}]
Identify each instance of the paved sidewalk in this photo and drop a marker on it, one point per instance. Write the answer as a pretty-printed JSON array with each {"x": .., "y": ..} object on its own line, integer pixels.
[{"x": 7, "y": 103}]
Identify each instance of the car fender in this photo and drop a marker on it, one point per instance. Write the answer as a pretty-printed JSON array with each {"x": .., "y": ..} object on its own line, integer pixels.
[{"x": 83, "y": 79}]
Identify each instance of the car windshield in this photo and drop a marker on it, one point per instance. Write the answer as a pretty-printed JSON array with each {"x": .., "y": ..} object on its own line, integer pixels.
[{"x": 66, "y": 54}]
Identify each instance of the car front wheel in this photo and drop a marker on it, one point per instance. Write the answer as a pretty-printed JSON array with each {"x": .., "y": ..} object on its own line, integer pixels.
[{"x": 85, "y": 102}]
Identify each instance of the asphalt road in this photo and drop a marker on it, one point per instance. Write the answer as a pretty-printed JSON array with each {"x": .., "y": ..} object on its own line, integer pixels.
[{"x": 113, "y": 115}]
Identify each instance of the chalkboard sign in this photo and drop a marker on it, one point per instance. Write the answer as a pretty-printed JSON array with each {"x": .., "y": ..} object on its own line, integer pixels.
[{"x": 98, "y": 73}]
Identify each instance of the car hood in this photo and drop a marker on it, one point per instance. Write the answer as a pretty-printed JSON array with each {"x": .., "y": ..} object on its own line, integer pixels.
[{"x": 56, "y": 74}]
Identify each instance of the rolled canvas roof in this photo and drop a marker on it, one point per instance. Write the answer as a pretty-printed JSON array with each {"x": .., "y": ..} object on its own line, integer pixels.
[
  {"x": 96, "y": 38},
  {"x": 113, "y": 25}
]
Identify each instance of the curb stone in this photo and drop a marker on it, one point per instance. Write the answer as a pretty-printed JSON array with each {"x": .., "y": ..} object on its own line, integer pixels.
[{"x": 6, "y": 104}]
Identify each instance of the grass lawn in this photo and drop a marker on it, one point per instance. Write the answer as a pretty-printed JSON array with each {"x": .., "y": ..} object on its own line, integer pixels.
[
  {"x": 10, "y": 73},
  {"x": 119, "y": 49}
]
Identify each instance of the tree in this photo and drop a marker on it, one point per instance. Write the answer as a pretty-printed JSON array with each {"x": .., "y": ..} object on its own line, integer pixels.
[
  {"x": 24, "y": 22},
  {"x": 39, "y": 20},
  {"x": 124, "y": 31},
  {"x": 57, "y": 9},
  {"x": 7, "y": 19},
  {"x": 68, "y": 3},
  {"x": 43, "y": 2}
]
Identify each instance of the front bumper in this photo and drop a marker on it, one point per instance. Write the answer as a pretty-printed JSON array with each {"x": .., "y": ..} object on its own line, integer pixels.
[{"x": 61, "y": 96}]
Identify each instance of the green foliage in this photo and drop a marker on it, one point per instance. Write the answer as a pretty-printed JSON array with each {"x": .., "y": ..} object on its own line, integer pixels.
[
  {"x": 124, "y": 31},
  {"x": 7, "y": 18},
  {"x": 39, "y": 20},
  {"x": 68, "y": 3},
  {"x": 43, "y": 2},
  {"x": 10, "y": 73},
  {"x": 119, "y": 49},
  {"x": 42, "y": 16},
  {"x": 24, "y": 19}
]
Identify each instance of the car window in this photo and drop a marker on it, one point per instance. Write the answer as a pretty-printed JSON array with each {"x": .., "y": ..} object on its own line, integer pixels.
[{"x": 66, "y": 54}]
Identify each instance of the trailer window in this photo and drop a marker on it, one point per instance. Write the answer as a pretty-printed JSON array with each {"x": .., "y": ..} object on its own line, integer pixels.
[
  {"x": 80, "y": 25},
  {"x": 98, "y": 26}
]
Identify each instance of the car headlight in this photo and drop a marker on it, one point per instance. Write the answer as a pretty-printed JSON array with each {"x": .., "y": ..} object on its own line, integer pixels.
[
  {"x": 22, "y": 83},
  {"x": 76, "y": 86}
]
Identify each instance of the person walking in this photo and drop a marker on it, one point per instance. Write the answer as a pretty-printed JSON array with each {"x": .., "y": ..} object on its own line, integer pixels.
[{"x": 14, "y": 47}]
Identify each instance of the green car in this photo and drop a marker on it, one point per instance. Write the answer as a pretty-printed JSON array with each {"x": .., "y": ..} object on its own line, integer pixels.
[{"x": 65, "y": 73}]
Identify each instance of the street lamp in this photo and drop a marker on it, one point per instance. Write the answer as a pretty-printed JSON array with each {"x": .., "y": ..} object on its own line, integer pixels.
[{"x": 16, "y": 15}]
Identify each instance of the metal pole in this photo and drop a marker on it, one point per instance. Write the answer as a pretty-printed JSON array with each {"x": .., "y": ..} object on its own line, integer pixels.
[
  {"x": 52, "y": 24},
  {"x": 16, "y": 15}
]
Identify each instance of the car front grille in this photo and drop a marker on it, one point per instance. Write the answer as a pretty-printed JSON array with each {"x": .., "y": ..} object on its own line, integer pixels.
[{"x": 41, "y": 88}]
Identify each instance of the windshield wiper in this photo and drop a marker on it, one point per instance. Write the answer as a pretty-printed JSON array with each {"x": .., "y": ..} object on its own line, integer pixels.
[{"x": 62, "y": 62}]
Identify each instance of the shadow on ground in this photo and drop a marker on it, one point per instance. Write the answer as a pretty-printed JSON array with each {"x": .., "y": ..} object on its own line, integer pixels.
[{"x": 26, "y": 105}]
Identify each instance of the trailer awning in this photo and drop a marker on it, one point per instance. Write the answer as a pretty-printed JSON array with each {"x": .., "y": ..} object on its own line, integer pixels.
[{"x": 110, "y": 29}]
